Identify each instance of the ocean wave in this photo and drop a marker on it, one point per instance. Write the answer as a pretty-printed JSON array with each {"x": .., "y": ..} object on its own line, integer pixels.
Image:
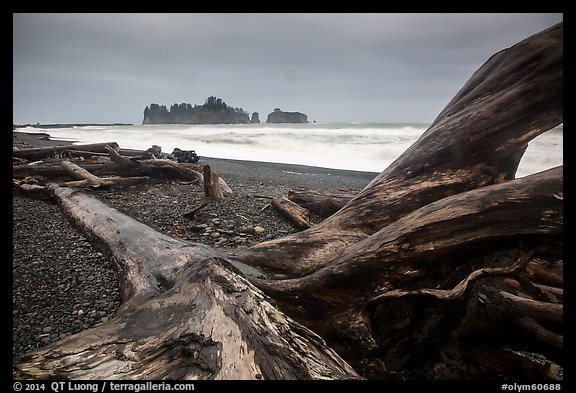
[
  {"x": 229, "y": 141},
  {"x": 363, "y": 147},
  {"x": 89, "y": 127}
]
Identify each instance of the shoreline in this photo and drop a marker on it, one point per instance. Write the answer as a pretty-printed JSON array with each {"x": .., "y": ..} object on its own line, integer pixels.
[{"x": 306, "y": 176}]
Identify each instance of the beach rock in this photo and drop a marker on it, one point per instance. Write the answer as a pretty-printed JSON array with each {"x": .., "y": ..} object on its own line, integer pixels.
[
  {"x": 248, "y": 230},
  {"x": 199, "y": 228}
]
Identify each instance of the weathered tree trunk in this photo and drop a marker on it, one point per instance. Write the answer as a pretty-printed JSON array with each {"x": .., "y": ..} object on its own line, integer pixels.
[
  {"x": 298, "y": 215},
  {"x": 513, "y": 364},
  {"x": 211, "y": 184},
  {"x": 91, "y": 180},
  {"x": 541, "y": 271},
  {"x": 45, "y": 152},
  {"x": 432, "y": 259},
  {"x": 123, "y": 167},
  {"x": 323, "y": 203},
  {"x": 163, "y": 169}
]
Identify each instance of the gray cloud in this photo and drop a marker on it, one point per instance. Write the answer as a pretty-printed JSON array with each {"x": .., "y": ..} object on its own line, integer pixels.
[{"x": 334, "y": 67}]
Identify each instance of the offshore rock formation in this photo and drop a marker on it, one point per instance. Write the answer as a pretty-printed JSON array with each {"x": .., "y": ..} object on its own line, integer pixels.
[
  {"x": 255, "y": 118},
  {"x": 279, "y": 116},
  {"x": 214, "y": 111}
]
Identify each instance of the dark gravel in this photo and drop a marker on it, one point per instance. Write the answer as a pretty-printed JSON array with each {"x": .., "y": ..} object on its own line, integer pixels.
[{"x": 62, "y": 284}]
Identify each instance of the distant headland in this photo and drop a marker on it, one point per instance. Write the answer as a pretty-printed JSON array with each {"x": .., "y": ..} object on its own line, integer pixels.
[
  {"x": 213, "y": 111},
  {"x": 66, "y": 125}
]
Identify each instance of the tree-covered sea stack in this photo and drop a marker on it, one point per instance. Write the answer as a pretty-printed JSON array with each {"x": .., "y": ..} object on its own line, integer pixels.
[{"x": 214, "y": 111}]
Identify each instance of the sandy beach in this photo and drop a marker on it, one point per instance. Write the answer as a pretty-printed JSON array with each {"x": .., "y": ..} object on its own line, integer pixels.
[{"x": 62, "y": 284}]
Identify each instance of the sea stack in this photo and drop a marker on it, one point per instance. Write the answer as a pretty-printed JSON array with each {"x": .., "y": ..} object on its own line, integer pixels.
[
  {"x": 255, "y": 118},
  {"x": 279, "y": 116}
]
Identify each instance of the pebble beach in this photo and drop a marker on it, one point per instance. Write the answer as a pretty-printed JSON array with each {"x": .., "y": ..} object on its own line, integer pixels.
[{"x": 62, "y": 284}]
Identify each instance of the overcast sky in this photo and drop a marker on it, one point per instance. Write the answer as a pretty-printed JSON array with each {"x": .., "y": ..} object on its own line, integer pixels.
[{"x": 106, "y": 68}]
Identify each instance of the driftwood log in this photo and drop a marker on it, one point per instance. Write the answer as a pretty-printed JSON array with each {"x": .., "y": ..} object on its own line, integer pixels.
[
  {"x": 43, "y": 152},
  {"x": 88, "y": 179},
  {"x": 323, "y": 203},
  {"x": 119, "y": 166},
  {"x": 434, "y": 262},
  {"x": 212, "y": 187},
  {"x": 298, "y": 215}
]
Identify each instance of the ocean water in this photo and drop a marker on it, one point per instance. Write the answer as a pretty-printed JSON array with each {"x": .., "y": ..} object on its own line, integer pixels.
[{"x": 361, "y": 147}]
